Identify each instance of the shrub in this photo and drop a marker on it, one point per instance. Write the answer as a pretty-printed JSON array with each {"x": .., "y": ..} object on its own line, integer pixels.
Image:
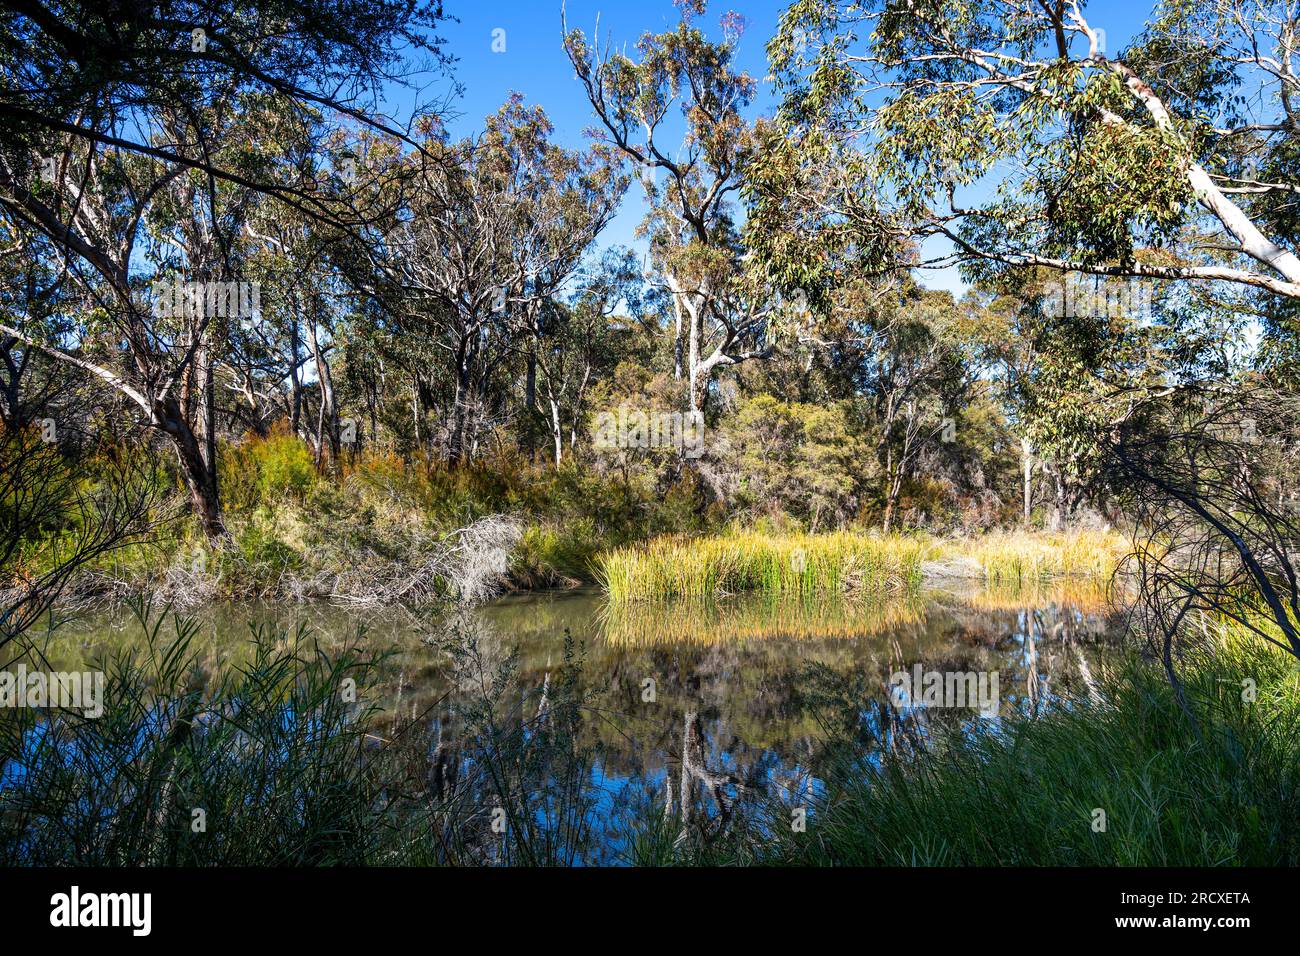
[{"x": 285, "y": 467}]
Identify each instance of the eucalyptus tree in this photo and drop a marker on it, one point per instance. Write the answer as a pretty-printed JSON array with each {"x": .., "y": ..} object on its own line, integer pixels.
[
  {"x": 488, "y": 237},
  {"x": 31, "y": 296},
  {"x": 91, "y": 73},
  {"x": 151, "y": 252},
  {"x": 306, "y": 300},
  {"x": 1068, "y": 381},
  {"x": 910, "y": 369},
  {"x": 722, "y": 306},
  {"x": 1172, "y": 159},
  {"x": 296, "y": 330},
  {"x": 119, "y": 130},
  {"x": 581, "y": 341},
  {"x": 148, "y": 358},
  {"x": 1051, "y": 374}
]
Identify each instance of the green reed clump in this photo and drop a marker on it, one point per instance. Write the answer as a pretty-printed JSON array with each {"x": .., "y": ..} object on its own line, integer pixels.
[
  {"x": 1029, "y": 791},
  {"x": 795, "y": 564}
]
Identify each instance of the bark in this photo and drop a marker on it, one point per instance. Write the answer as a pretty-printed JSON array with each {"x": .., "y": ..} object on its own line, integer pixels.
[
  {"x": 1027, "y": 460},
  {"x": 891, "y": 489},
  {"x": 557, "y": 430},
  {"x": 677, "y": 339},
  {"x": 1058, "y": 502},
  {"x": 530, "y": 402},
  {"x": 207, "y": 412},
  {"x": 699, "y": 383},
  {"x": 15, "y": 415},
  {"x": 461, "y": 402},
  {"x": 328, "y": 429},
  {"x": 200, "y": 479},
  {"x": 295, "y": 383}
]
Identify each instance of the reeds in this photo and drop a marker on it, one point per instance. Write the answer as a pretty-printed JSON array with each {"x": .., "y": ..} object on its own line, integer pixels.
[
  {"x": 1124, "y": 781},
  {"x": 263, "y": 768},
  {"x": 798, "y": 564},
  {"x": 1016, "y": 558},
  {"x": 807, "y": 564},
  {"x": 286, "y": 761}
]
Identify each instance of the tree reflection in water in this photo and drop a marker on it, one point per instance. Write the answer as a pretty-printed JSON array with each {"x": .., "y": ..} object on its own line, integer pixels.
[{"x": 562, "y": 720}]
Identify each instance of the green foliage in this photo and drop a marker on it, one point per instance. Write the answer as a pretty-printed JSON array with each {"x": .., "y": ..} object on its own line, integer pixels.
[
  {"x": 796, "y": 459},
  {"x": 557, "y": 554},
  {"x": 284, "y": 467},
  {"x": 265, "y": 470}
]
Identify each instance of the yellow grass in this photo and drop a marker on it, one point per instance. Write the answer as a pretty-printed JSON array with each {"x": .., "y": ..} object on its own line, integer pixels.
[
  {"x": 844, "y": 561},
  {"x": 750, "y": 561},
  {"x": 1024, "y": 558}
]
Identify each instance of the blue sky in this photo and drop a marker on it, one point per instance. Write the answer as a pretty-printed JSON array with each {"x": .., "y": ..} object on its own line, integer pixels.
[{"x": 534, "y": 63}]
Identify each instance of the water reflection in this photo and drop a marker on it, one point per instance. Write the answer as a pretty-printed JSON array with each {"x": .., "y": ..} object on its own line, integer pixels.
[{"x": 702, "y": 711}]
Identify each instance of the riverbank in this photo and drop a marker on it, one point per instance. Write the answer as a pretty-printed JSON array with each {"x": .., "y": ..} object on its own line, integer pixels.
[
  {"x": 383, "y": 531},
  {"x": 289, "y": 560},
  {"x": 389, "y": 533}
]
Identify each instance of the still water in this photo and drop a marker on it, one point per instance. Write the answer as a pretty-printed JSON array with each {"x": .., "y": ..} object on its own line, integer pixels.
[{"x": 710, "y": 705}]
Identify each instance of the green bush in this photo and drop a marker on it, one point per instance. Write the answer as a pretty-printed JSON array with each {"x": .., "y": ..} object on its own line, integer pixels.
[{"x": 285, "y": 467}]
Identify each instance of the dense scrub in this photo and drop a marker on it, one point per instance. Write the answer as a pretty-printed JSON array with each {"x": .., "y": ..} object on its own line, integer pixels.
[
  {"x": 383, "y": 527},
  {"x": 378, "y": 524}
]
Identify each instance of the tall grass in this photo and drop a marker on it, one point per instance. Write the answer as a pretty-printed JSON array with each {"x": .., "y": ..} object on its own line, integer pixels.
[
  {"x": 289, "y": 761},
  {"x": 1019, "y": 558},
  {"x": 1031, "y": 791},
  {"x": 807, "y": 564},
  {"x": 797, "y": 564},
  {"x": 264, "y": 767}
]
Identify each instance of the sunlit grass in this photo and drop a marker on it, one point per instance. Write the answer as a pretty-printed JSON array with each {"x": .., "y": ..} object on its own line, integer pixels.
[
  {"x": 1012, "y": 558},
  {"x": 797, "y": 564},
  {"x": 806, "y": 564}
]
